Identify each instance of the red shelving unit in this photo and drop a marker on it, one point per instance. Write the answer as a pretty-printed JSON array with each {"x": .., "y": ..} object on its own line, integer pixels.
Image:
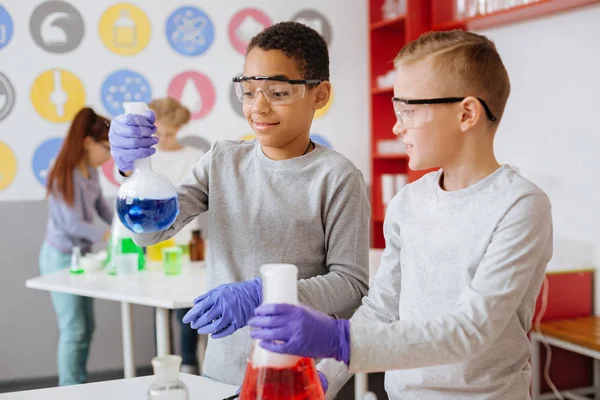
[
  {"x": 386, "y": 39},
  {"x": 443, "y": 15}
]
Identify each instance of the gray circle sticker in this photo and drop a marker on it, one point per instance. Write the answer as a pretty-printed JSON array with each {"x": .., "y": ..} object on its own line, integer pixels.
[
  {"x": 7, "y": 97},
  {"x": 236, "y": 104},
  {"x": 196, "y": 141},
  {"x": 317, "y": 21},
  {"x": 56, "y": 26}
]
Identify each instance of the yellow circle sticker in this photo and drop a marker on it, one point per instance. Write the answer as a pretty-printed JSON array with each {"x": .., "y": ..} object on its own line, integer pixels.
[
  {"x": 57, "y": 95},
  {"x": 323, "y": 111},
  {"x": 248, "y": 136},
  {"x": 8, "y": 166},
  {"x": 124, "y": 29}
]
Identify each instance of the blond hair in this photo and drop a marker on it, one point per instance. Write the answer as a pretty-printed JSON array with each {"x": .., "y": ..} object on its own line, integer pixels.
[
  {"x": 169, "y": 111},
  {"x": 467, "y": 63}
]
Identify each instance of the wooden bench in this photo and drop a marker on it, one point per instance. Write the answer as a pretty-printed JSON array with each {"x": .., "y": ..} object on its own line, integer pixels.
[{"x": 579, "y": 335}]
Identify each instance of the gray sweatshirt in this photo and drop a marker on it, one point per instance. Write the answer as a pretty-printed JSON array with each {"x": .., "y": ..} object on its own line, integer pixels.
[
  {"x": 449, "y": 310},
  {"x": 311, "y": 211},
  {"x": 70, "y": 226}
]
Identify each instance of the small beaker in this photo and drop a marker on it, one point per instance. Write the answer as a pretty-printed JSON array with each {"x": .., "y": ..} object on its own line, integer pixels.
[{"x": 173, "y": 260}]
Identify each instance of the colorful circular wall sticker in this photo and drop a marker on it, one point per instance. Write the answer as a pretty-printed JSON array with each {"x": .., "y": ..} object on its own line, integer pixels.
[
  {"x": 317, "y": 21},
  {"x": 124, "y": 85},
  {"x": 6, "y": 27},
  {"x": 56, "y": 26},
  {"x": 44, "y": 157},
  {"x": 236, "y": 104},
  {"x": 57, "y": 95},
  {"x": 8, "y": 166},
  {"x": 189, "y": 31},
  {"x": 108, "y": 170},
  {"x": 244, "y": 25},
  {"x": 321, "y": 112},
  {"x": 320, "y": 140},
  {"x": 125, "y": 29},
  {"x": 7, "y": 97},
  {"x": 195, "y": 91}
]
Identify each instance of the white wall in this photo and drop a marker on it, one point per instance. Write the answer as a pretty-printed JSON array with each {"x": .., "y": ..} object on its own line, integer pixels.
[{"x": 551, "y": 129}]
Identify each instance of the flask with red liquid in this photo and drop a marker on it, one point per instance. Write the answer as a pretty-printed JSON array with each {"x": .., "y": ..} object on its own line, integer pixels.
[{"x": 272, "y": 376}]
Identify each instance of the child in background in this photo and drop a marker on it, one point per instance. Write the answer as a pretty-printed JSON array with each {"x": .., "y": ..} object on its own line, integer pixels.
[
  {"x": 174, "y": 161},
  {"x": 449, "y": 310},
  {"x": 74, "y": 197},
  {"x": 278, "y": 198}
]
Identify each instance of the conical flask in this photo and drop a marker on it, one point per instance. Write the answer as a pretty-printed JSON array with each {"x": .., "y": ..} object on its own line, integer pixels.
[
  {"x": 146, "y": 201},
  {"x": 272, "y": 376}
]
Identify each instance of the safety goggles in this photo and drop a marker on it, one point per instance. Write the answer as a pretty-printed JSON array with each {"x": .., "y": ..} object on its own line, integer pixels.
[
  {"x": 276, "y": 90},
  {"x": 413, "y": 114}
]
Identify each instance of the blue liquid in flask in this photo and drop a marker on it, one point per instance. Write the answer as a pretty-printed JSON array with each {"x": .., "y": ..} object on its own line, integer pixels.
[{"x": 147, "y": 215}]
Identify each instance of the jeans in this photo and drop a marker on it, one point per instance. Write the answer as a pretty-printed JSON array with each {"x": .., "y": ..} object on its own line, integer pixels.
[{"x": 75, "y": 315}]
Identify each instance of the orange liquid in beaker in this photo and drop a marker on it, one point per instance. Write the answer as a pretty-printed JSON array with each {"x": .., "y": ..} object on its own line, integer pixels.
[{"x": 299, "y": 382}]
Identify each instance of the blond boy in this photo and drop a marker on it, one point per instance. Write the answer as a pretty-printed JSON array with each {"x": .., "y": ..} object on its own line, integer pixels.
[{"x": 449, "y": 310}]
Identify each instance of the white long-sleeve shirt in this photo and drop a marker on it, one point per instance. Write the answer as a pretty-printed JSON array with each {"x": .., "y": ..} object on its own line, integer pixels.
[{"x": 449, "y": 310}]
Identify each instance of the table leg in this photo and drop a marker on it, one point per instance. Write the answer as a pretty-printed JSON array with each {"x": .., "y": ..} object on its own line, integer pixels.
[
  {"x": 361, "y": 383},
  {"x": 163, "y": 341},
  {"x": 535, "y": 367},
  {"x": 127, "y": 333},
  {"x": 596, "y": 378}
]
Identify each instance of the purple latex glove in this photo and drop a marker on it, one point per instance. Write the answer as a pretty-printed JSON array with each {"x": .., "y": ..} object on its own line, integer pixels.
[
  {"x": 324, "y": 381},
  {"x": 225, "y": 309},
  {"x": 301, "y": 331},
  {"x": 131, "y": 138}
]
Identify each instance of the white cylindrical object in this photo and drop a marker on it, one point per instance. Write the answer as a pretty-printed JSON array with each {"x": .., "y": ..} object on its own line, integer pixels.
[
  {"x": 138, "y": 108},
  {"x": 128, "y": 343},
  {"x": 135, "y": 107},
  {"x": 280, "y": 285},
  {"x": 361, "y": 385},
  {"x": 387, "y": 188},
  {"x": 163, "y": 340}
]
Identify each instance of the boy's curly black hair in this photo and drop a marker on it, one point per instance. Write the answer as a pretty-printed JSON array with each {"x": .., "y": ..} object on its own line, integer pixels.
[{"x": 299, "y": 42}]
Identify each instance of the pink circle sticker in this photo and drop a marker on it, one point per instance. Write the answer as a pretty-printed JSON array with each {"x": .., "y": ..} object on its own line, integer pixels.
[
  {"x": 244, "y": 25},
  {"x": 195, "y": 91},
  {"x": 109, "y": 170}
]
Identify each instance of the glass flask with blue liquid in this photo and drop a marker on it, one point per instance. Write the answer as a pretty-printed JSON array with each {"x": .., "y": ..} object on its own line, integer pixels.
[{"x": 146, "y": 201}]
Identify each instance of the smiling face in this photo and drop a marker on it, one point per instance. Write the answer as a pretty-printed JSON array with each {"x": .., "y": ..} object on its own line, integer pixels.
[{"x": 279, "y": 125}]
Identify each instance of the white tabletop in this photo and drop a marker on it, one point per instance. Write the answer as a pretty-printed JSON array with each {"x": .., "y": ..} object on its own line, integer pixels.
[
  {"x": 134, "y": 388},
  {"x": 149, "y": 287}
]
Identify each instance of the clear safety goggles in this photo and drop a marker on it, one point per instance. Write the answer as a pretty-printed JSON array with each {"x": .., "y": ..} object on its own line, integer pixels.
[
  {"x": 412, "y": 114},
  {"x": 276, "y": 90}
]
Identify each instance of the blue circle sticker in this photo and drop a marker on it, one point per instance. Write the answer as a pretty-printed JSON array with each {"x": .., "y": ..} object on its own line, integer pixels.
[
  {"x": 189, "y": 31},
  {"x": 44, "y": 157},
  {"x": 121, "y": 86},
  {"x": 320, "y": 140},
  {"x": 6, "y": 27}
]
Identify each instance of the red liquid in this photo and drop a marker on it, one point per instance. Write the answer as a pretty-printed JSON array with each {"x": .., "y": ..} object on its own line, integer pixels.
[{"x": 299, "y": 382}]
